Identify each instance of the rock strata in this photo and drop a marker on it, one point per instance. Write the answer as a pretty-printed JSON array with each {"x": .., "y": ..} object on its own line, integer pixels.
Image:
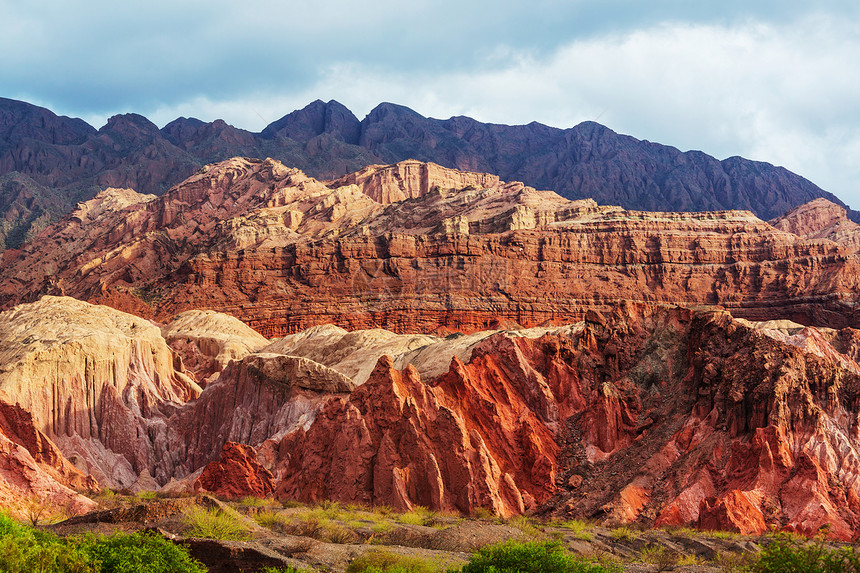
[{"x": 283, "y": 252}]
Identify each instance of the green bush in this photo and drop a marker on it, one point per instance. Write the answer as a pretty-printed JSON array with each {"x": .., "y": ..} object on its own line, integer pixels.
[
  {"x": 786, "y": 555},
  {"x": 531, "y": 557},
  {"x": 27, "y": 550},
  {"x": 24, "y": 549},
  {"x": 130, "y": 553}
]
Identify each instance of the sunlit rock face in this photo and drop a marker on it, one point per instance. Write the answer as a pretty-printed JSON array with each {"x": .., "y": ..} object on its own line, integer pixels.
[
  {"x": 97, "y": 383},
  {"x": 647, "y": 413},
  {"x": 446, "y": 340},
  {"x": 397, "y": 247}
]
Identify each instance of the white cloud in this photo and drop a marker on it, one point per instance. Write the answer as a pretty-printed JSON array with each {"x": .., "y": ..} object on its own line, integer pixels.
[
  {"x": 788, "y": 95},
  {"x": 785, "y": 92}
]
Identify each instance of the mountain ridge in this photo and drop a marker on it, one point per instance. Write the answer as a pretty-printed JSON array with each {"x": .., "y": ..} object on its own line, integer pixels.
[{"x": 71, "y": 161}]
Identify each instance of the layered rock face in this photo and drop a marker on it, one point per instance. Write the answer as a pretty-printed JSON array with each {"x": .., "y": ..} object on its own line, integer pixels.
[
  {"x": 821, "y": 219},
  {"x": 283, "y": 252},
  {"x": 207, "y": 341},
  {"x": 96, "y": 382},
  {"x": 647, "y": 413}
]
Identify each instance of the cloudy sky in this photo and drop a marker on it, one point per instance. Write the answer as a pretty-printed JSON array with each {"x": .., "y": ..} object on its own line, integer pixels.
[{"x": 776, "y": 81}]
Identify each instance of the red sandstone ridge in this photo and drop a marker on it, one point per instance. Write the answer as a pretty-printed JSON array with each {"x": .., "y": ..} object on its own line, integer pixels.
[
  {"x": 282, "y": 252},
  {"x": 647, "y": 413},
  {"x": 821, "y": 219}
]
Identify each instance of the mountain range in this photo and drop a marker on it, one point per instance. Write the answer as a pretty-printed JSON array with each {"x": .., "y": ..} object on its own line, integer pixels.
[
  {"x": 48, "y": 163},
  {"x": 413, "y": 334}
]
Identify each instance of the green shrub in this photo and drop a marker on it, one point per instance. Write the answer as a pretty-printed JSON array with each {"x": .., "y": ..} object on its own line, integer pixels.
[
  {"x": 786, "y": 555},
  {"x": 531, "y": 557},
  {"x": 130, "y": 553},
  {"x": 24, "y": 549},
  {"x": 380, "y": 561},
  {"x": 27, "y": 550}
]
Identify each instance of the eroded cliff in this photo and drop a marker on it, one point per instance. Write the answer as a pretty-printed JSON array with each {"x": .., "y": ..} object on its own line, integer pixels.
[{"x": 283, "y": 252}]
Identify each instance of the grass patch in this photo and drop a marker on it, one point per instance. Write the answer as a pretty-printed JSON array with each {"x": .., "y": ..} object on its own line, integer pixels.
[
  {"x": 254, "y": 501},
  {"x": 270, "y": 520},
  {"x": 689, "y": 561},
  {"x": 215, "y": 524},
  {"x": 381, "y": 561},
  {"x": 525, "y": 524},
  {"x": 580, "y": 529},
  {"x": 662, "y": 558},
  {"x": 624, "y": 533},
  {"x": 734, "y": 562},
  {"x": 724, "y": 534},
  {"x": 418, "y": 516}
]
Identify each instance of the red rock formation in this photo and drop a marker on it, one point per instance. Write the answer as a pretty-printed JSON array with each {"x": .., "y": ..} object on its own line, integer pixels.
[
  {"x": 283, "y": 252},
  {"x": 34, "y": 476},
  {"x": 394, "y": 441},
  {"x": 651, "y": 415},
  {"x": 237, "y": 474},
  {"x": 17, "y": 425}
]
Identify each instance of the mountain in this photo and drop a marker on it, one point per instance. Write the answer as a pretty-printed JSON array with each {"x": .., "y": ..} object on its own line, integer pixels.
[
  {"x": 821, "y": 219},
  {"x": 75, "y": 161},
  {"x": 416, "y": 247},
  {"x": 649, "y": 414},
  {"x": 411, "y": 334}
]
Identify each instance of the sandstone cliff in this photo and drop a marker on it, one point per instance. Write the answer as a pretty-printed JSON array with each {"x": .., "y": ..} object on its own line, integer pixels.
[
  {"x": 282, "y": 251},
  {"x": 649, "y": 414},
  {"x": 646, "y": 413}
]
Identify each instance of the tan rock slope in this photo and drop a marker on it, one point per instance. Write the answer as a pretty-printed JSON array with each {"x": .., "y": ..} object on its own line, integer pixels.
[
  {"x": 283, "y": 252},
  {"x": 95, "y": 381},
  {"x": 821, "y": 219}
]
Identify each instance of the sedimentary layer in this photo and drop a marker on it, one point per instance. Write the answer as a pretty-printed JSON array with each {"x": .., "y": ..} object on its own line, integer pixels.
[{"x": 282, "y": 252}]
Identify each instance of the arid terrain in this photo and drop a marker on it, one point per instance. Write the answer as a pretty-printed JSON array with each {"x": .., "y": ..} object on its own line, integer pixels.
[{"x": 316, "y": 359}]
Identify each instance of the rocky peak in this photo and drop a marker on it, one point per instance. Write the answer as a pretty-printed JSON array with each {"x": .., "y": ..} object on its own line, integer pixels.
[
  {"x": 411, "y": 179},
  {"x": 20, "y": 120},
  {"x": 821, "y": 219},
  {"x": 182, "y": 129},
  {"x": 131, "y": 125},
  {"x": 315, "y": 119}
]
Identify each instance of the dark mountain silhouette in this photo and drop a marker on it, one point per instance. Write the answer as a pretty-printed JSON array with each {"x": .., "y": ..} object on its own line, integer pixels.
[{"x": 63, "y": 160}]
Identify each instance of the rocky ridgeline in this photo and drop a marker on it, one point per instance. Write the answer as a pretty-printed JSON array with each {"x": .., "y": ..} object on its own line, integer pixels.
[
  {"x": 282, "y": 252},
  {"x": 646, "y": 414}
]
